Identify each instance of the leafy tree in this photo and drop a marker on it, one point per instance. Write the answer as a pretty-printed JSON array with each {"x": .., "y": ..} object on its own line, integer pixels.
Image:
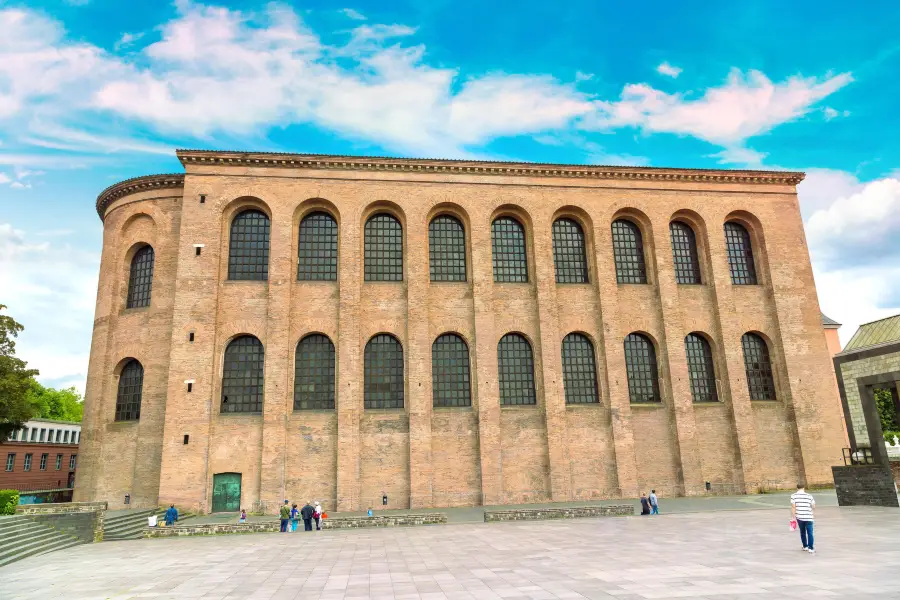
[
  {"x": 886, "y": 410},
  {"x": 15, "y": 380},
  {"x": 62, "y": 405}
]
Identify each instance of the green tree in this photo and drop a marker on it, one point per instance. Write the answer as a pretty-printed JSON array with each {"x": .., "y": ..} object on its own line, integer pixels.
[
  {"x": 15, "y": 380},
  {"x": 886, "y": 410},
  {"x": 62, "y": 405}
]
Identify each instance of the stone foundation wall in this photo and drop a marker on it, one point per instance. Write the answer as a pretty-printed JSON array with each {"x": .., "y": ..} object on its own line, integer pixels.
[
  {"x": 275, "y": 526},
  {"x": 84, "y": 520},
  {"x": 573, "y": 512},
  {"x": 60, "y": 508},
  {"x": 864, "y": 485}
]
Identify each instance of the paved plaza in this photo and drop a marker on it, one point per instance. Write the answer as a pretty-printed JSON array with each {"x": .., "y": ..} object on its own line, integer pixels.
[{"x": 729, "y": 554}]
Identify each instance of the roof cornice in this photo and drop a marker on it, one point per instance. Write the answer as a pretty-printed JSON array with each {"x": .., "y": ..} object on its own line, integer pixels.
[
  {"x": 137, "y": 184},
  {"x": 475, "y": 167}
]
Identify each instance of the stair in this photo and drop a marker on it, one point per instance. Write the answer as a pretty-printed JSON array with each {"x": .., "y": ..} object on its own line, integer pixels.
[
  {"x": 21, "y": 537},
  {"x": 126, "y": 525}
]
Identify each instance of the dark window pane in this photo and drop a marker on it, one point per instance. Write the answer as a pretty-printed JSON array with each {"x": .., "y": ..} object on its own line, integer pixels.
[
  {"x": 128, "y": 398},
  {"x": 450, "y": 371},
  {"x": 242, "y": 376},
  {"x": 740, "y": 254},
  {"x": 684, "y": 253},
  {"x": 140, "y": 278},
  {"x": 579, "y": 370},
  {"x": 383, "y": 249},
  {"x": 640, "y": 364},
  {"x": 314, "y": 373},
  {"x": 516, "y": 365},
  {"x": 317, "y": 248},
  {"x": 758, "y": 366},
  {"x": 568, "y": 252},
  {"x": 628, "y": 252},
  {"x": 383, "y": 372},
  {"x": 248, "y": 250},
  {"x": 447, "y": 249},
  {"x": 701, "y": 369},
  {"x": 508, "y": 246}
]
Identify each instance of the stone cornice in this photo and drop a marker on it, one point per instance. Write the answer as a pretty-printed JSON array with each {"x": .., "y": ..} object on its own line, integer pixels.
[
  {"x": 137, "y": 184},
  {"x": 474, "y": 167}
]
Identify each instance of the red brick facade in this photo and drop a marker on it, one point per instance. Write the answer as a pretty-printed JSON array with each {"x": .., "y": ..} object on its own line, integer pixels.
[{"x": 48, "y": 478}]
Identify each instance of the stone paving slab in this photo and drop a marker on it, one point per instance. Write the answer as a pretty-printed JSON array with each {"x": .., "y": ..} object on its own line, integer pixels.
[{"x": 722, "y": 555}]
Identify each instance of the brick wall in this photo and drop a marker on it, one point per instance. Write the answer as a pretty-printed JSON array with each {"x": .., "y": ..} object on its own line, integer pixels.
[
  {"x": 863, "y": 367},
  {"x": 36, "y": 479},
  {"x": 864, "y": 485}
]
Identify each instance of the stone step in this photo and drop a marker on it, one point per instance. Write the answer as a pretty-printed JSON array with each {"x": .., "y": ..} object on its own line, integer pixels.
[
  {"x": 24, "y": 536},
  {"x": 42, "y": 549},
  {"x": 124, "y": 530},
  {"x": 127, "y": 518},
  {"x": 12, "y": 522}
]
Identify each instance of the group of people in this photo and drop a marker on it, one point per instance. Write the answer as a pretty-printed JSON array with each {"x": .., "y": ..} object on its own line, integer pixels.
[
  {"x": 649, "y": 504},
  {"x": 290, "y": 516}
]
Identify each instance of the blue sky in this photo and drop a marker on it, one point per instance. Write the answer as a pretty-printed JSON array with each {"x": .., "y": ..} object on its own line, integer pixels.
[{"x": 95, "y": 91}]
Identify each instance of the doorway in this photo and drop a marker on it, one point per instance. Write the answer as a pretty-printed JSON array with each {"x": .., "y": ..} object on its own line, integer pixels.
[{"x": 226, "y": 492}]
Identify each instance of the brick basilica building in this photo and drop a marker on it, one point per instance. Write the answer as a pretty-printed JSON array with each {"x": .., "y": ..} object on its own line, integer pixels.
[{"x": 417, "y": 333}]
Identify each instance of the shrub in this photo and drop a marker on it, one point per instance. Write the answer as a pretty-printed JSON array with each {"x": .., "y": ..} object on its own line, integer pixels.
[
  {"x": 9, "y": 500},
  {"x": 889, "y": 436}
]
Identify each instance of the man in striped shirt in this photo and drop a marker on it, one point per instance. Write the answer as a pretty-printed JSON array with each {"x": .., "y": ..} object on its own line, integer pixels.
[{"x": 803, "y": 507}]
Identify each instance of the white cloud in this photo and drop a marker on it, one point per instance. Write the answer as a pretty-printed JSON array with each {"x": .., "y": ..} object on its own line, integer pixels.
[
  {"x": 353, "y": 14},
  {"x": 668, "y": 70},
  {"x": 59, "y": 137},
  {"x": 745, "y": 157},
  {"x": 4, "y": 178},
  {"x": 831, "y": 113},
  {"x": 581, "y": 76},
  {"x": 126, "y": 40}
]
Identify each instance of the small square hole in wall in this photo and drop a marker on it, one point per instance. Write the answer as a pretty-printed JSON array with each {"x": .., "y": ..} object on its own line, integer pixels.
[
  {"x": 187, "y": 438},
  {"x": 202, "y": 201},
  {"x": 191, "y": 336},
  {"x": 190, "y": 387}
]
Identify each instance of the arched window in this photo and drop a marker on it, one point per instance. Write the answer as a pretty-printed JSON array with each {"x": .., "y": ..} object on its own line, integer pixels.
[
  {"x": 568, "y": 252},
  {"x": 383, "y": 248},
  {"x": 447, "y": 249},
  {"x": 508, "y": 250},
  {"x": 248, "y": 250},
  {"x": 317, "y": 248},
  {"x": 758, "y": 366},
  {"x": 383, "y": 372},
  {"x": 516, "y": 366},
  {"x": 140, "y": 278},
  {"x": 740, "y": 254},
  {"x": 314, "y": 373},
  {"x": 242, "y": 376},
  {"x": 128, "y": 398},
  {"x": 684, "y": 253},
  {"x": 450, "y": 371},
  {"x": 640, "y": 365},
  {"x": 701, "y": 369},
  {"x": 628, "y": 252},
  {"x": 579, "y": 370}
]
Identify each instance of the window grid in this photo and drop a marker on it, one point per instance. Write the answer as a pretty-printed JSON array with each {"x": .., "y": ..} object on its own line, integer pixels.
[
  {"x": 684, "y": 253},
  {"x": 450, "y": 382},
  {"x": 43, "y": 466},
  {"x": 516, "y": 366},
  {"x": 58, "y": 462},
  {"x": 447, "y": 249},
  {"x": 248, "y": 250},
  {"x": 140, "y": 278},
  {"x": 640, "y": 364},
  {"x": 701, "y": 370},
  {"x": 579, "y": 370},
  {"x": 383, "y": 377},
  {"x": 72, "y": 460},
  {"x": 760, "y": 382},
  {"x": 383, "y": 248},
  {"x": 740, "y": 254},
  {"x": 317, "y": 248},
  {"x": 27, "y": 462},
  {"x": 509, "y": 251},
  {"x": 628, "y": 252},
  {"x": 314, "y": 374},
  {"x": 243, "y": 376},
  {"x": 10, "y": 461},
  {"x": 128, "y": 398},
  {"x": 569, "y": 257}
]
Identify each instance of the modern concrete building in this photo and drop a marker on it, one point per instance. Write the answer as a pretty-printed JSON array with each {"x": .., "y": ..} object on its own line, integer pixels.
[
  {"x": 415, "y": 333},
  {"x": 41, "y": 460}
]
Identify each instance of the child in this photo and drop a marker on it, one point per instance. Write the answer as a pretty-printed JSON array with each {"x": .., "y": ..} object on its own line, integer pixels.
[{"x": 243, "y": 518}]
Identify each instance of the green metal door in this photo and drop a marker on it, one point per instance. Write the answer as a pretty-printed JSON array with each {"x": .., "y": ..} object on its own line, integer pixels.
[{"x": 226, "y": 492}]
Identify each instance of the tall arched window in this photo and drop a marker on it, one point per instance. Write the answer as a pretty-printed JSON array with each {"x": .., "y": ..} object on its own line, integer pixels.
[
  {"x": 248, "y": 249},
  {"x": 516, "y": 366},
  {"x": 569, "y": 257},
  {"x": 628, "y": 252},
  {"x": 317, "y": 248},
  {"x": 579, "y": 370},
  {"x": 740, "y": 254},
  {"x": 383, "y": 372},
  {"x": 383, "y": 248},
  {"x": 508, "y": 251},
  {"x": 243, "y": 376},
  {"x": 450, "y": 371},
  {"x": 314, "y": 373},
  {"x": 140, "y": 278},
  {"x": 640, "y": 365},
  {"x": 447, "y": 249},
  {"x": 701, "y": 369},
  {"x": 684, "y": 253},
  {"x": 758, "y": 366},
  {"x": 131, "y": 387}
]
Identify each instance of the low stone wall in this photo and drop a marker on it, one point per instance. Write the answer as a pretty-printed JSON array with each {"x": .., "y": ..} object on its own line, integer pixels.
[
  {"x": 864, "y": 485},
  {"x": 60, "y": 508},
  {"x": 572, "y": 512},
  {"x": 385, "y": 521},
  {"x": 74, "y": 518}
]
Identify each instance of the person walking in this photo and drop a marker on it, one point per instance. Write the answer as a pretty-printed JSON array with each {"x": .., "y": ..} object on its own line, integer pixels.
[
  {"x": 285, "y": 517},
  {"x": 243, "y": 518},
  {"x": 317, "y": 515},
  {"x": 645, "y": 504},
  {"x": 307, "y": 513},
  {"x": 803, "y": 507},
  {"x": 294, "y": 517},
  {"x": 654, "y": 503},
  {"x": 171, "y": 515}
]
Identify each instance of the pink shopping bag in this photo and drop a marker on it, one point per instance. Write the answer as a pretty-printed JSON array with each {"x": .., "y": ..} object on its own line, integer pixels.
[{"x": 793, "y": 525}]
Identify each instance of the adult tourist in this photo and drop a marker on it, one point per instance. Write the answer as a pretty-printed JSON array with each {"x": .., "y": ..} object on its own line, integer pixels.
[
  {"x": 307, "y": 513},
  {"x": 285, "y": 517},
  {"x": 803, "y": 507},
  {"x": 171, "y": 516},
  {"x": 294, "y": 517},
  {"x": 645, "y": 504},
  {"x": 317, "y": 515},
  {"x": 654, "y": 503}
]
